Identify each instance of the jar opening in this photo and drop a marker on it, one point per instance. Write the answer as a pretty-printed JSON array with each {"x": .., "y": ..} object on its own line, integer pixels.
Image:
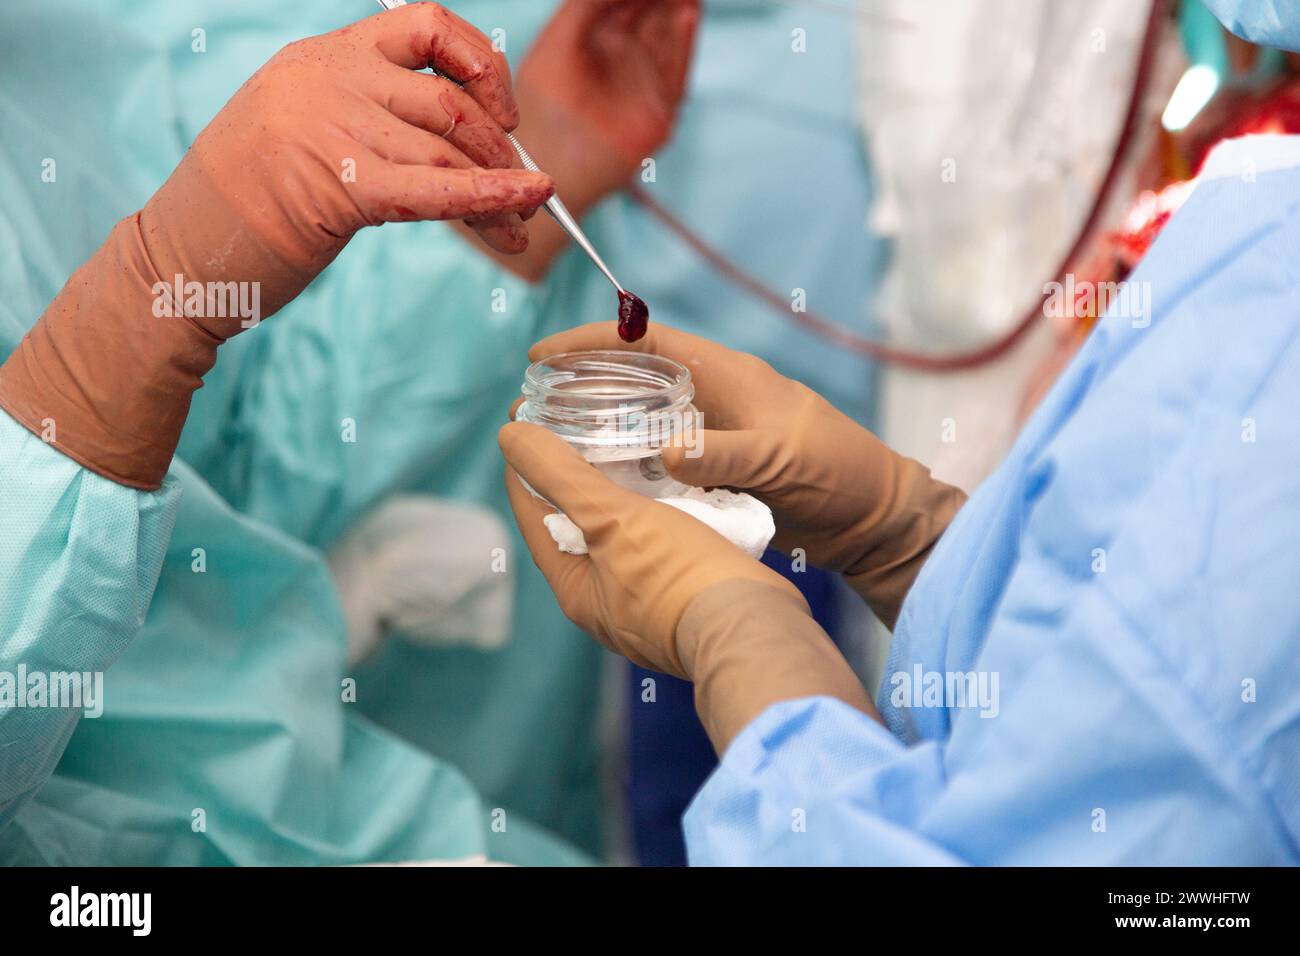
[{"x": 609, "y": 398}]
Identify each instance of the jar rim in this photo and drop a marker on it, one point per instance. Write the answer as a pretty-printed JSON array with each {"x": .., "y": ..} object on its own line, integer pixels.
[
  {"x": 651, "y": 366},
  {"x": 637, "y": 399}
]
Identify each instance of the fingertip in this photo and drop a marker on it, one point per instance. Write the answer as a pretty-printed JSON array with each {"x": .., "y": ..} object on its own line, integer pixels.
[
  {"x": 507, "y": 240},
  {"x": 516, "y": 239},
  {"x": 509, "y": 118},
  {"x": 511, "y": 439},
  {"x": 674, "y": 458},
  {"x": 683, "y": 466},
  {"x": 517, "y": 439},
  {"x": 508, "y": 437},
  {"x": 544, "y": 185},
  {"x": 503, "y": 111}
]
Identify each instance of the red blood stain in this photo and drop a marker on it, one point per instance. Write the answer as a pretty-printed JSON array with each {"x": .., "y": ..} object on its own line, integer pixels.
[
  {"x": 406, "y": 213},
  {"x": 454, "y": 116}
]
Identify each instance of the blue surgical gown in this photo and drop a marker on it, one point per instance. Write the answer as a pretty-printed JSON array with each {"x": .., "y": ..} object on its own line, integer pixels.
[
  {"x": 1274, "y": 23},
  {"x": 1129, "y": 575}
]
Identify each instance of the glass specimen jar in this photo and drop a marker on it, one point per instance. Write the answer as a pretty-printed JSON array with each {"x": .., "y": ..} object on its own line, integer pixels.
[{"x": 619, "y": 409}]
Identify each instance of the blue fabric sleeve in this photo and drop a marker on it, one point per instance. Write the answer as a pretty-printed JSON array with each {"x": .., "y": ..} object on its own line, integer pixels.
[
  {"x": 815, "y": 782},
  {"x": 1273, "y": 23},
  {"x": 79, "y": 557},
  {"x": 1104, "y": 778}
]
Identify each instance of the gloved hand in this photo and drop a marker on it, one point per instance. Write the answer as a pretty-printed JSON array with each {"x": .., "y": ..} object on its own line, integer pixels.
[
  {"x": 835, "y": 490},
  {"x": 599, "y": 92},
  {"x": 669, "y": 593},
  {"x": 335, "y": 133},
  {"x": 601, "y": 87},
  {"x": 339, "y": 131}
]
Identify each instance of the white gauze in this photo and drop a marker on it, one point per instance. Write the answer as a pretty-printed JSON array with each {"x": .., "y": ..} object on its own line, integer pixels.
[{"x": 740, "y": 518}]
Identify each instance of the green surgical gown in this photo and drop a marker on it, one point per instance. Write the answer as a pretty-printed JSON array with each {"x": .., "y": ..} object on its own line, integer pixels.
[{"x": 208, "y": 605}]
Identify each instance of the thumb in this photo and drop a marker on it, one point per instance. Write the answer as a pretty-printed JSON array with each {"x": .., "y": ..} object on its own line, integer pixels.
[
  {"x": 735, "y": 459},
  {"x": 564, "y": 478}
]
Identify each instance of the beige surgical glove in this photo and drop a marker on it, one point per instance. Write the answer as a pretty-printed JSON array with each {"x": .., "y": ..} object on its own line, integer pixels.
[
  {"x": 836, "y": 491},
  {"x": 671, "y": 594}
]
